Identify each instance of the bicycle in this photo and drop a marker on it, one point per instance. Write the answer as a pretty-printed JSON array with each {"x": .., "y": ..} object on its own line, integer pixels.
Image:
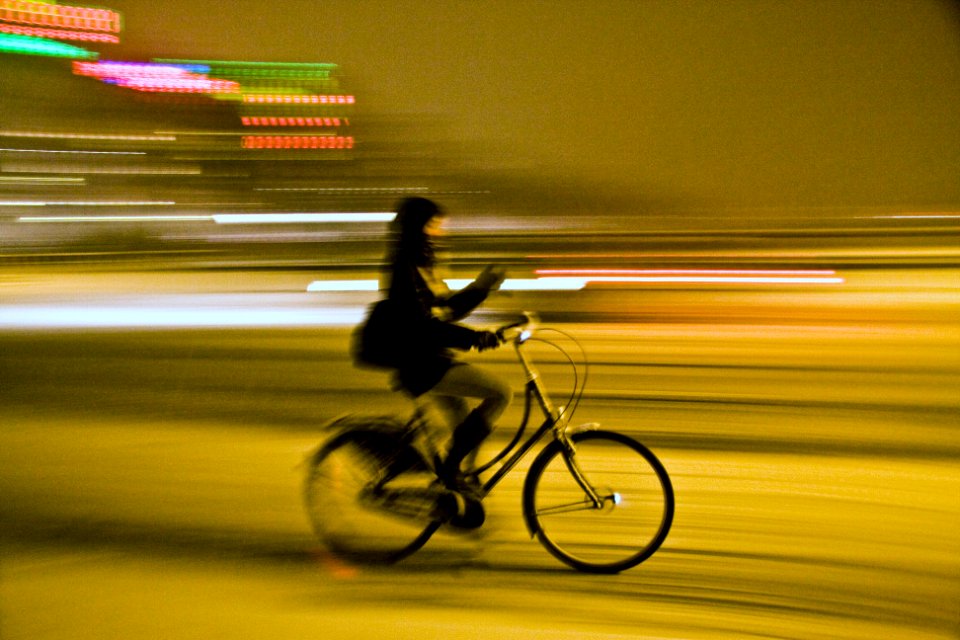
[{"x": 597, "y": 500}]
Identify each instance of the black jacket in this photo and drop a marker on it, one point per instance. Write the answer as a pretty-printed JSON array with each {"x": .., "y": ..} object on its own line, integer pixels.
[{"x": 425, "y": 314}]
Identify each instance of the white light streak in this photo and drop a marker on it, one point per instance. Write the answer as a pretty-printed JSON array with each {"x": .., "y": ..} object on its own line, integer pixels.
[
  {"x": 343, "y": 285},
  {"x": 85, "y": 203},
  {"x": 153, "y": 315},
  {"x": 86, "y": 136},
  {"x": 106, "y": 153},
  {"x": 299, "y": 218},
  {"x": 21, "y": 166},
  {"x": 717, "y": 280},
  {"x": 42, "y": 180},
  {"x": 576, "y": 284},
  {"x": 921, "y": 216},
  {"x": 696, "y": 276},
  {"x": 71, "y": 219},
  {"x": 350, "y": 189}
]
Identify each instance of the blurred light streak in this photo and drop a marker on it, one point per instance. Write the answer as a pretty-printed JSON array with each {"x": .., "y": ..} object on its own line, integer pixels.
[
  {"x": 88, "y": 136},
  {"x": 45, "y": 180},
  {"x": 298, "y": 218},
  {"x": 292, "y": 121},
  {"x": 344, "y": 285},
  {"x": 297, "y": 142},
  {"x": 920, "y": 216},
  {"x": 86, "y": 203},
  {"x": 560, "y": 283},
  {"x": 106, "y": 153},
  {"x": 46, "y": 14},
  {"x": 146, "y": 170},
  {"x": 298, "y": 99},
  {"x": 72, "y": 219},
  {"x": 704, "y": 276},
  {"x": 714, "y": 280},
  {"x": 685, "y": 272},
  {"x": 527, "y": 284},
  {"x": 350, "y": 189},
  {"x": 60, "y": 34},
  {"x": 511, "y": 284},
  {"x": 30, "y": 45},
  {"x": 192, "y": 314},
  {"x": 119, "y": 69},
  {"x": 268, "y": 69}
]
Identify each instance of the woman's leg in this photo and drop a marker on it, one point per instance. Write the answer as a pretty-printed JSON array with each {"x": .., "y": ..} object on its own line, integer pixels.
[
  {"x": 469, "y": 381},
  {"x": 470, "y": 428}
]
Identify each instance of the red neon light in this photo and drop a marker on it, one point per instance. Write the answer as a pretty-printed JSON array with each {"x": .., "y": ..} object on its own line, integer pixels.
[
  {"x": 297, "y": 99},
  {"x": 684, "y": 272},
  {"x": 298, "y": 142},
  {"x": 58, "y": 34},
  {"x": 180, "y": 85},
  {"x": 53, "y": 15},
  {"x": 258, "y": 121},
  {"x": 145, "y": 76},
  {"x": 129, "y": 70}
]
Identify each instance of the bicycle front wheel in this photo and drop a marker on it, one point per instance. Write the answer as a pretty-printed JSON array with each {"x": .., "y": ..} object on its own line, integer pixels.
[
  {"x": 342, "y": 478},
  {"x": 626, "y": 529}
]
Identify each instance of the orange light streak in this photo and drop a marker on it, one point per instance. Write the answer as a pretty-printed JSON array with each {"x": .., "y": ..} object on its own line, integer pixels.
[
  {"x": 43, "y": 14},
  {"x": 289, "y": 121},
  {"x": 298, "y": 99},
  {"x": 693, "y": 276},
  {"x": 59, "y": 34},
  {"x": 685, "y": 272},
  {"x": 297, "y": 142}
]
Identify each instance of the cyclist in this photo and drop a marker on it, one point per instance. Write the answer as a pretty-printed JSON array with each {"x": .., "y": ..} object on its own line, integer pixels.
[{"x": 417, "y": 328}]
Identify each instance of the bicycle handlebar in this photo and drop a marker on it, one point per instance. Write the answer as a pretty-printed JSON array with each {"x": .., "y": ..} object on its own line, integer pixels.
[{"x": 520, "y": 330}]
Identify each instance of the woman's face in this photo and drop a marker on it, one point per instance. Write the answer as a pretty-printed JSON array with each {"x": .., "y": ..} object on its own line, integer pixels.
[{"x": 435, "y": 227}]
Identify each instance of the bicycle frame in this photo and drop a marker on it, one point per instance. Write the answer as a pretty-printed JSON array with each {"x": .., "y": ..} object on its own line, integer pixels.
[{"x": 555, "y": 419}]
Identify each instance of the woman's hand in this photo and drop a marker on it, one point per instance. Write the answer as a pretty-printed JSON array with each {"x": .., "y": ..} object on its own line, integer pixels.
[
  {"x": 484, "y": 340},
  {"x": 491, "y": 278}
]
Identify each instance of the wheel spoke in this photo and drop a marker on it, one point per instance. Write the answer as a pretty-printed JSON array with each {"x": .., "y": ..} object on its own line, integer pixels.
[
  {"x": 584, "y": 505},
  {"x": 630, "y": 523},
  {"x": 348, "y": 516}
]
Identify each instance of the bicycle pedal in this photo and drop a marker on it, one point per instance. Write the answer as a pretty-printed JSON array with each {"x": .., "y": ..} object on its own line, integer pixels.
[
  {"x": 450, "y": 505},
  {"x": 473, "y": 517}
]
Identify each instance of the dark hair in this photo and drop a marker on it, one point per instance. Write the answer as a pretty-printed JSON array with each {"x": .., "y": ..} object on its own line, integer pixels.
[{"x": 413, "y": 214}]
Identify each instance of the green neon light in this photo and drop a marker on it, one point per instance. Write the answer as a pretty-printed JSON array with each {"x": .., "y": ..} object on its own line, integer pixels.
[
  {"x": 303, "y": 66},
  {"x": 29, "y": 45}
]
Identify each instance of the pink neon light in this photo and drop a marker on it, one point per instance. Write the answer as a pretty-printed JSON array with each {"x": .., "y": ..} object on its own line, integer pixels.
[
  {"x": 53, "y": 15},
  {"x": 117, "y": 70},
  {"x": 685, "y": 272},
  {"x": 59, "y": 34},
  {"x": 154, "y": 78},
  {"x": 297, "y": 142},
  {"x": 297, "y": 99},
  {"x": 180, "y": 85},
  {"x": 257, "y": 121}
]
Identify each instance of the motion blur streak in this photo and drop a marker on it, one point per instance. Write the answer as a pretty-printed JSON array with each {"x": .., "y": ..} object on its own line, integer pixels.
[{"x": 747, "y": 212}]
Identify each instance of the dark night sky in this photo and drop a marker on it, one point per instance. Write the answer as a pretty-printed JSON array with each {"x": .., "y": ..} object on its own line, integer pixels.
[{"x": 702, "y": 103}]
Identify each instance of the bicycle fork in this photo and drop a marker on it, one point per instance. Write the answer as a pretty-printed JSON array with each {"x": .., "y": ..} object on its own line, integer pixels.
[{"x": 560, "y": 423}]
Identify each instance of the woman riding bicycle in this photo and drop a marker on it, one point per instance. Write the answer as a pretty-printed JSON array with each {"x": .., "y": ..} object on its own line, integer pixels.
[{"x": 422, "y": 313}]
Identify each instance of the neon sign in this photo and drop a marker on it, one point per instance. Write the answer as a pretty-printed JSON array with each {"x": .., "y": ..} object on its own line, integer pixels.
[
  {"x": 147, "y": 76},
  {"x": 258, "y": 121},
  {"x": 297, "y": 142},
  {"x": 60, "y": 22},
  {"x": 59, "y": 34},
  {"x": 297, "y": 99},
  {"x": 29, "y": 45}
]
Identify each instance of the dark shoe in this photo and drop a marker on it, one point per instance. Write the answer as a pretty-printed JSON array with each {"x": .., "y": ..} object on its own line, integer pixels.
[{"x": 466, "y": 437}]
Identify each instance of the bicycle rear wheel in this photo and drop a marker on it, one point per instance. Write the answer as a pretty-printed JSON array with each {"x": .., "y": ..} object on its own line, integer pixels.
[
  {"x": 631, "y": 524},
  {"x": 341, "y": 478}
]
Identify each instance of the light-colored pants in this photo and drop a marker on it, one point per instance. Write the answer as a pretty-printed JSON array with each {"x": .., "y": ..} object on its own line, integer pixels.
[{"x": 467, "y": 381}]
